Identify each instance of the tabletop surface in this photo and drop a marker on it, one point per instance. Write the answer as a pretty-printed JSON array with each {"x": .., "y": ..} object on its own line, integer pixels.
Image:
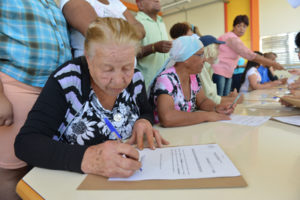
[{"x": 267, "y": 156}]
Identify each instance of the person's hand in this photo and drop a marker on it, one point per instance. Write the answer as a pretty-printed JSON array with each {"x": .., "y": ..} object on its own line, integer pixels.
[
  {"x": 283, "y": 80},
  {"x": 225, "y": 108},
  {"x": 295, "y": 93},
  {"x": 276, "y": 83},
  {"x": 283, "y": 102},
  {"x": 234, "y": 94},
  {"x": 107, "y": 159},
  {"x": 163, "y": 46},
  {"x": 6, "y": 111},
  {"x": 143, "y": 127},
  {"x": 295, "y": 71},
  {"x": 278, "y": 66},
  {"x": 294, "y": 86},
  {"x": 213, "y": 117}
]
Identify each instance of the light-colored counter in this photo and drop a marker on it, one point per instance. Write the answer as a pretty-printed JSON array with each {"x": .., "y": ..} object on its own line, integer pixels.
[{"x": 268, "y": 157}]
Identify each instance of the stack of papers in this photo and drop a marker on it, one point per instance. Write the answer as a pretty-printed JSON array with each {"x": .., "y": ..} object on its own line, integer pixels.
[{"x": 294, "y": 120}]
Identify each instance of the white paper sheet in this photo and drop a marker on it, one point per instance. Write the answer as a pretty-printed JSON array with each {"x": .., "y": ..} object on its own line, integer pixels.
[
  {"x": 294, "y": 120},
  {"x": 247, "y": 120},
  {"x": 185, "y": 162}
]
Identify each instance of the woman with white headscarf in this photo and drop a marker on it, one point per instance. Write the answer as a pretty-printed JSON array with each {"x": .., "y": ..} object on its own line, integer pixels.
[{"x": 176, "y": 92}]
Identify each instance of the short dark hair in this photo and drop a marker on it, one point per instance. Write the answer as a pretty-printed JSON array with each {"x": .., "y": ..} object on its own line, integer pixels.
[
  {"x": 241, "y": 19},
  {"x": 179, "y": 29},
  {"x": 297, "y": 40}
]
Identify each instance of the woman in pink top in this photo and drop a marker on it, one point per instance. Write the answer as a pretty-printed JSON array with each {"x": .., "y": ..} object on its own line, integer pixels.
[{"x": 230, "y": 52}]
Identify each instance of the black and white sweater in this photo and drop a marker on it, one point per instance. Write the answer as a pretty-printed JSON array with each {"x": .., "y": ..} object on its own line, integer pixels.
[{"x": 68, "y": 117}]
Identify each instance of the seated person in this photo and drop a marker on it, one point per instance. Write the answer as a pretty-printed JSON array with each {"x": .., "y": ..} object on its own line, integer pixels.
[
  {"x": 176, "y": 92},
  {"x": 211, "y": 51},
  {"x": 267, "y": 72},
  {"x": 251, "y": 79},
  {"x": 66, "y": 130}
]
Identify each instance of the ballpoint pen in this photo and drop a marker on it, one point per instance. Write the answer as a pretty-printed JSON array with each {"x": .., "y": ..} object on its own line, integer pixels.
[
  {"x": 118, "y": 136},
  {"x": 236, "y": 99}
]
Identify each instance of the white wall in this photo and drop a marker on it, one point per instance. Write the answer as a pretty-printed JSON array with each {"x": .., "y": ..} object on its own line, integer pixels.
[
  {"x": 208, "y": 18},
  {"x": 277, "y": 16}
]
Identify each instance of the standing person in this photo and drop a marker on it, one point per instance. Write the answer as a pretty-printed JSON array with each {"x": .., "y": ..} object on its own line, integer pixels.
[
  {"x": 80, "y": 13},
  {"x": 155, "y": 44},
  {"x": 85, "y": 98},
  {"x": 34, "y": 41},
  {"x": 230, "y": 53}
]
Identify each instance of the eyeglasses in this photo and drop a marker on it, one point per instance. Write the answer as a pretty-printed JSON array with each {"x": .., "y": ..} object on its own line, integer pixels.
[
  {"x": 297, "y": 50},
  {"x": 200, "y": 55}
]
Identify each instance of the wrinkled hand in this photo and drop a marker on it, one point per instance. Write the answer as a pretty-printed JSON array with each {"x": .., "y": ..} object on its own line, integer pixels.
[
  {"x": 107, "y": 159},
  {"x": 295, "y": 71},
  {"x": 295, "y": 93},
  {"x": 6, "y": 111},
  {"x": 163, "y": 46},
  {"x": 225, "y": 108},
  {"x": 283, "y": 80},
  {"x": 143, "y": 127},
  {"x": 213, "y": 117}
]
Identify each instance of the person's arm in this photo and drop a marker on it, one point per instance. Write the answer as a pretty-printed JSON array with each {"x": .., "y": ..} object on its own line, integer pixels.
[
  {"x": 237, "y": 46},
  {"x": 34, "y": 143},
  {"x": 79, "y": 14},
  {"x": 160, "y": 46},
  {"x": 6, "y": 109},
  {"x": 143, "y": 126},
  {"x": 256, "y": 86},
  {"x": 138, "y": 26},
  {"x": 170, "y": 117},
  {"x": 267, "y": 62}
]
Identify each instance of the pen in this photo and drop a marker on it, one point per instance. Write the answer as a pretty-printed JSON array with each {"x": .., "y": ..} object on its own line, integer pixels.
[
  {"x": 114, "y": 130},
  {"x": 235, "y": 100}
]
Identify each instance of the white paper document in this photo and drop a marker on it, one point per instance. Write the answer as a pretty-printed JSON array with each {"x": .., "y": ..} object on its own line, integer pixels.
[
  {"x": 247, "y": 120},
  {"x": 185, "y": 162},
  {"x": 294, "y": 120}
]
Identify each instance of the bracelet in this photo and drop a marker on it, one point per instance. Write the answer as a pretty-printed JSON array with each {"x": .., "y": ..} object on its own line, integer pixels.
[{"x": 153, "y": 48}]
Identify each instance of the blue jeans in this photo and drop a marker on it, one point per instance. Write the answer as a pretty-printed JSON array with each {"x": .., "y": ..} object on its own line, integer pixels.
[{"x": 223, "y": 84}]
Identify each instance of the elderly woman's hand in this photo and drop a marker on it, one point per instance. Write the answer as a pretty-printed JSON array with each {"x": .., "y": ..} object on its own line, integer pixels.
[
  {"x": 143, "y": 127},
  {"x": 107, "y": 159},
  {"x": 225, "y": 108}
]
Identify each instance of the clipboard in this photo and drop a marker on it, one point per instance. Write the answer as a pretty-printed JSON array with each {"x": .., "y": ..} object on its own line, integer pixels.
[{"x": 94, "y": 182}]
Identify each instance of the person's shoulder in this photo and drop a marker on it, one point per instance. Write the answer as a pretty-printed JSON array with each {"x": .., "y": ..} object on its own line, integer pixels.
[
  {"x": 74, "y": 67},
  {"x": 137, "y": 76}
]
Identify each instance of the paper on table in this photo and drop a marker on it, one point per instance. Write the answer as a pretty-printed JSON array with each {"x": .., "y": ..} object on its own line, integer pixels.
[
  {"x": 185, "y": 162},
  {"x": 247, "y": 120},
  {"x": 295, "y": 120}
]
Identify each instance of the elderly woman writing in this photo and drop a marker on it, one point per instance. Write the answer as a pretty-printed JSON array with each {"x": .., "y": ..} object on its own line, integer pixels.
[
  {"x": 66, "y": 129},
  {"x": 176, "y": 92}
]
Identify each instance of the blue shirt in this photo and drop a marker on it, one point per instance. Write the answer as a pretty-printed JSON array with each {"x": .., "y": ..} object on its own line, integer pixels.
[
  {"x": 263, "y": 71},
  {"x": 33, "y": 40}
]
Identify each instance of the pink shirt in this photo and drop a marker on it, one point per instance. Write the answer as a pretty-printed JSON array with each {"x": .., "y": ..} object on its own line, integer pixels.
[{"x": 229, "y": 54}]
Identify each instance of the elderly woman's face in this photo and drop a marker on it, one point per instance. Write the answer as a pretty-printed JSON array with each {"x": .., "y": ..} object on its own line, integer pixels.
[
  {"x": 112, "y": 67},
  {"x": 195, "y": 62}
]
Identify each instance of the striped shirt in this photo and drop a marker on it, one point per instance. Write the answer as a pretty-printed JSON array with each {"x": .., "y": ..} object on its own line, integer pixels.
[{"x": 33, "y": 40}]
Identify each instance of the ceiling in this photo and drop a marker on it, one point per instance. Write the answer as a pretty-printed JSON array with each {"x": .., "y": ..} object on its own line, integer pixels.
[{"x": 173, "y": 6}]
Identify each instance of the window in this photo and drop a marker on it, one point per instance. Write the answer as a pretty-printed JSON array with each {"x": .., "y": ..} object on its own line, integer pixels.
[{"x": 283, "y": 45}]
